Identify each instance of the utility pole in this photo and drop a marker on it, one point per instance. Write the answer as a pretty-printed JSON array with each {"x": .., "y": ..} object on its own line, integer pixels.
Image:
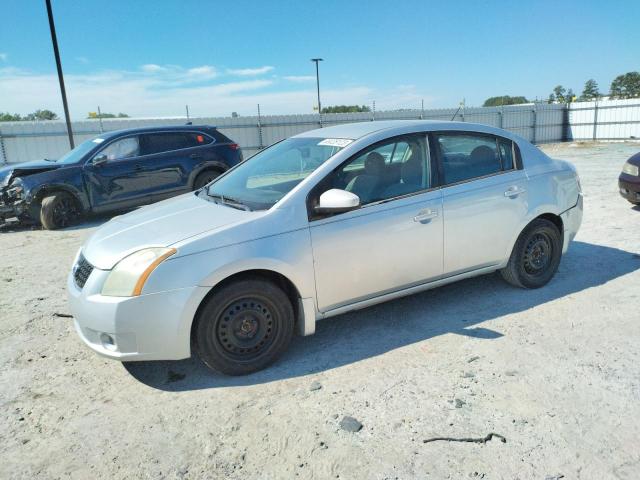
[
  {"x": 100, "y": 119},
  {"x": 56, "y": 53},
  {"x": 317, "y": 61}
]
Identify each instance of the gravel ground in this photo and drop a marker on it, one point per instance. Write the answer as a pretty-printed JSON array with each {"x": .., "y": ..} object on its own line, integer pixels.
[{"x": 555, "y": 372}]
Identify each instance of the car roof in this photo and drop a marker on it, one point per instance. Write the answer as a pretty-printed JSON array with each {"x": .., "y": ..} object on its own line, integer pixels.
[
  {"x": 358, "y": 130},
  {"x": 163, "y": 128}
]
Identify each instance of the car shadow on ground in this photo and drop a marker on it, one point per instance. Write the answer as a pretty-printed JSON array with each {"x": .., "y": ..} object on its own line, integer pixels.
[{"x": 456, "y": 308}]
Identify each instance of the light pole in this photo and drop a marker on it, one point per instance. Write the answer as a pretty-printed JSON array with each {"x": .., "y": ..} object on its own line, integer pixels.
[
  {"x": 318, "y": 60},
  {"x": 56, "y": 53}
]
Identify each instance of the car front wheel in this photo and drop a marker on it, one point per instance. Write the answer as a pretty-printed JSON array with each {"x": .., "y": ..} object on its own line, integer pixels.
[
  {"x": 59, "y": 210},
  {"x": 536, "y": 255},
  {"x": 244, "y": 326}
]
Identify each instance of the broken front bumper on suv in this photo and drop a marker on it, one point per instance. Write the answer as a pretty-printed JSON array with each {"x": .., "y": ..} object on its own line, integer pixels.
[{"x": 12, "y": 200}]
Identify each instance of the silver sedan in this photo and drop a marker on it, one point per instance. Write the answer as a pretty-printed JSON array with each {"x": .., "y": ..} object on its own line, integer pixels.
[{"x": 322, "y": 223}]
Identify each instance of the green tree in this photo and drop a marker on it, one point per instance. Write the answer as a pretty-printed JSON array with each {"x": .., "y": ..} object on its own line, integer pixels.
[
  {"x": 559, "y": 93},
  {"x": 570, "y": 97},
  {"x": 552, "y": 98},
  {"x": 346, "y": 109},
  {"x": 10, "y": 117},
  {"x": 41, "y": 115},
  {"x": 626, "y": 86},
  {"x": 504, "y": 100},
  {"x": 590, "y": 91}
]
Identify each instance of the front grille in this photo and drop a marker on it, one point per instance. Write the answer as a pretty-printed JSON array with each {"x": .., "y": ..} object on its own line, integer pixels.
[{"x": 81, "y": 271}]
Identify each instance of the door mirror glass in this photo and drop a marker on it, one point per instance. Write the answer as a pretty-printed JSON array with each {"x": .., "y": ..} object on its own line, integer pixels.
[
  {"x": 99, "y": 159},
  {"x": 337, "y": 201}
]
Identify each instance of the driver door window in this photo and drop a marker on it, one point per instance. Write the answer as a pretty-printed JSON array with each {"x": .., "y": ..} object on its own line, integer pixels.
[
  {"x": 124, "y": 148},
  {"x": 391, "y": 169}
]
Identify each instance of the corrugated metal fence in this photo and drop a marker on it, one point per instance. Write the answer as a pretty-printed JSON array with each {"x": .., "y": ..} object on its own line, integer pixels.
[{"x": 538, "y": 123}]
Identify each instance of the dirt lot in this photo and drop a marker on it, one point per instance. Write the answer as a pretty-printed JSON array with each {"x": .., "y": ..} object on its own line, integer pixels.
[{"x": 555, "y": 371}]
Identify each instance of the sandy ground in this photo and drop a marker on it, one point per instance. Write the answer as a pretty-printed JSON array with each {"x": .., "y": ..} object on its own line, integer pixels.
[{"x": 555, "y": 371}]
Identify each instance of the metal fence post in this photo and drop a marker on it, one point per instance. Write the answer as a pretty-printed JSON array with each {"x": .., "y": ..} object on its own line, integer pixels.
[
  {"x": 500, "y": 115},
  {"x": 3, "y": 151},
  {"x": 595, "y": 121},
  {"x": 261, "y": 145},
  {"x": 565, "y": 122},
  {"x": 534, "y": 125}
]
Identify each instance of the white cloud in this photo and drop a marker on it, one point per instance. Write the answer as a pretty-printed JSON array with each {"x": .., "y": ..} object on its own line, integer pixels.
[
  {"x": 152, "y": 68},
  {"x": 249, "y": 72},
  {"x": 203, "y": 72},
  {"x": 165, "y": 91},
  {"x": 4, "y": 56},
  {"x": 299, "y": 78}
]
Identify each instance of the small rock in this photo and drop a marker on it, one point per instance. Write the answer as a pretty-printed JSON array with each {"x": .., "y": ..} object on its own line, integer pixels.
[
  {"x": 554, "y": 477},
  {"x": 469, "y": 375},
  {"x": 315, "y": 386},
  {"x": 335, "y": 415},
  {"x": 459, "y": 403},
  {"x": 473, "y": 359},
  {"x": 511, "y": 373},
  {"x": 350, "y": 424}
]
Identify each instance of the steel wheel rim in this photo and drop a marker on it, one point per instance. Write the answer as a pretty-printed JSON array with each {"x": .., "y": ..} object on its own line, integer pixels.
[
  {"x": 538, "y": 254},
  {"x": 246, "y": 328}
]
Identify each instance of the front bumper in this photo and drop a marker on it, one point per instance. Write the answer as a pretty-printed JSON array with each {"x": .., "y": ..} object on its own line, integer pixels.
[
  {"x": 148, "y": 327},
  {"x": 629, "y": 187}
]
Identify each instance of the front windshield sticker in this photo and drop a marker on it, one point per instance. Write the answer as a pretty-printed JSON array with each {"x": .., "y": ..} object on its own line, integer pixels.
[
  {"x": 336, "y": 142},
  {"x": 98, "y": 140}
]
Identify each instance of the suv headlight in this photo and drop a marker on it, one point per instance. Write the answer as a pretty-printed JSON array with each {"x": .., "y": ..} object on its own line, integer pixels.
[
  {"x": 130, "y": 274},
  {"x": 630, "y": 169}
]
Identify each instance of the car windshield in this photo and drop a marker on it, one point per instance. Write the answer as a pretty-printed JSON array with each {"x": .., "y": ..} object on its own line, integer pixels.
[
  {"x": 80, "y": 151},
  {"x": 265, "y": 178}
]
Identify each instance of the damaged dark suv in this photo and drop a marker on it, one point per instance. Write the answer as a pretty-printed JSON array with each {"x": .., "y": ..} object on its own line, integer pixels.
[{"x": 113, "y": 172}]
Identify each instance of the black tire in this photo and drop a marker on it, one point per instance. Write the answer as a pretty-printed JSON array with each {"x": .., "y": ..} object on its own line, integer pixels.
[
  {"x": 536, "y": 255},
  {"x": 59, "y": 210},
  {"x": 205, "y": 178},
  {"x": 243, "y": 327}
]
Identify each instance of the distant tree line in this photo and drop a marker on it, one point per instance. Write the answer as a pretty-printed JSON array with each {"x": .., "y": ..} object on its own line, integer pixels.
[
  {"x": 93, "y": 115},
  {"x": 346, "y": 109},
  {"x": 623, "y": 86},
  {"x": 37, "y": 115}
]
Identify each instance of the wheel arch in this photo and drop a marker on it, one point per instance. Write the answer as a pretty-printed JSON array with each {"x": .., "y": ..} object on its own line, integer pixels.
[
  {"x": 551, "y": 216},
  {"x": 214, "y": 165},
  {"x": 273, "y": 276},
  {"x": 46, "y": 190}
]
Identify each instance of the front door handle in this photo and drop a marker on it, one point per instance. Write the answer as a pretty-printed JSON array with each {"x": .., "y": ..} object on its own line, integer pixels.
[
  {"x": 425, "y": 215},
  {"x": 138, "y": 167},
  {"x": 514, "y": 191}
]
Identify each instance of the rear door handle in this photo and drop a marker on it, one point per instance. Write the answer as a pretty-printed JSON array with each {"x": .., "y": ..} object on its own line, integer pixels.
[
  {"x": 195, "y": 155},
  {"x": 138, "y": 167},
  {"x": 514, "y": 191},
  {"x": 425, "y": 215}
]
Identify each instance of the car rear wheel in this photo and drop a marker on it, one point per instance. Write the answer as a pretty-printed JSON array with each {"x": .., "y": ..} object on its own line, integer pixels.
[
  {"x": 536, "y": 255},
  {"x": 244, "y": 327},
  {"x": 59, "y": 210},
  {"x": 205, "y": 178}
]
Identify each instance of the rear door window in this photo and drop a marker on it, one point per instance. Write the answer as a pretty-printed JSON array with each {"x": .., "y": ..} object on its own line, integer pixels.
[
  {"x": 506, "y": 153},
  {"x": 153, "y": 143},
  {"x": 467, "y": 156}
]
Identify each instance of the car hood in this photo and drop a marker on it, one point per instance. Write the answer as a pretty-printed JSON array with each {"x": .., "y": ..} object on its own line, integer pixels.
[
  {"x": 160, "y": 225},
  {"x": 9, "y": 172}
]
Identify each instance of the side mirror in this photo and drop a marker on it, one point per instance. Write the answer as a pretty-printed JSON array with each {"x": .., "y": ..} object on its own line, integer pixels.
[
  {"x": 337, "y": 201},
  {"x": 99, "y": 159}
]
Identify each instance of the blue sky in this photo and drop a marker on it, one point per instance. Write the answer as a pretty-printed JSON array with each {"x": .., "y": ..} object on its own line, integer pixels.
[{"x": 149, "y": 58}]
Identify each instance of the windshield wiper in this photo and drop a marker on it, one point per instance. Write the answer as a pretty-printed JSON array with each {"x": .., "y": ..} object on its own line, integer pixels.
[{"x": 232, "y": 202}]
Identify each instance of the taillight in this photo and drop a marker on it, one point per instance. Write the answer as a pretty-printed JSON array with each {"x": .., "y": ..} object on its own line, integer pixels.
[{"x": 234, "y": 146}]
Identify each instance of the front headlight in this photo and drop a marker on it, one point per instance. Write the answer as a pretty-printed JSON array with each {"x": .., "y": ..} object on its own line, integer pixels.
[
  {"x": 130, "y": 274},
  {"x": 630, "y": 169}
]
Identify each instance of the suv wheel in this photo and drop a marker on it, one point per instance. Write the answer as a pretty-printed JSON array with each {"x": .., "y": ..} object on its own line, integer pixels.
[
  {"x": 205, "y": 178},
  {"x": 59, "y": 210},
  {"x": 244, "y": 327},
  {"x": 535, "y": 257}
]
